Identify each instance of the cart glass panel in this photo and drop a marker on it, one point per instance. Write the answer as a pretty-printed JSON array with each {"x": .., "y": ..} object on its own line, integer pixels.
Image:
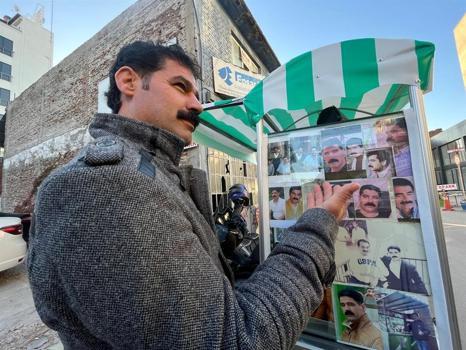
[{"x": 381, "y": 296}]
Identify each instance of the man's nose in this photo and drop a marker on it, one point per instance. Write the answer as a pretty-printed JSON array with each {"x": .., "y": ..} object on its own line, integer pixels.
[{"x": 194, "y": 104}]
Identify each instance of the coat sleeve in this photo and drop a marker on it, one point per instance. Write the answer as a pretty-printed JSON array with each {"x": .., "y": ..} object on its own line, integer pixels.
[{"x": 114, "y": 261}]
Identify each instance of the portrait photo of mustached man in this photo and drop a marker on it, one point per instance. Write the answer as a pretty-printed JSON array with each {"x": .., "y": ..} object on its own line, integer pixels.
[
  {"x": 357, "y": 327},
  {"x": 405, "y": 199},
  {"x": 372, "y": 200},
  {"x": 343, "y": 153}
]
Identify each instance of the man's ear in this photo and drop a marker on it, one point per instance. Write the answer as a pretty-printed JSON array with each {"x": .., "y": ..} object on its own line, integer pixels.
[{"x": 126, "y": 80}]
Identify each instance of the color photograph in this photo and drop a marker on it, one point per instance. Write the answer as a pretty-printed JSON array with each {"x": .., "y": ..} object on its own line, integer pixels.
[
  {"x": 357, "y": 317},
  {"x": 342, "y": 153},
  {"x": 279, "y": 159},
  {"x": 372, "y": 200},
  {"x": 406, "y": 319},
  {"x": 305, "y": 154},
  {"x": 405, "y": 199}
]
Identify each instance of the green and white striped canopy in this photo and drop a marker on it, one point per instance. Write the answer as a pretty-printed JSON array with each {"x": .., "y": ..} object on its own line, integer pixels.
[{"x": 362, "y": 77}]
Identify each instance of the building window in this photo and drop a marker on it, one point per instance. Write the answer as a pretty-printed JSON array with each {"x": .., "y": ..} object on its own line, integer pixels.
[
  {"x": 241, "y": 58},
  {"x": 6, "y": 46},
  {"x": 4, "y": 97},
  {"x": 224, "y": 172},
  {"x": 5, "y": 71}
]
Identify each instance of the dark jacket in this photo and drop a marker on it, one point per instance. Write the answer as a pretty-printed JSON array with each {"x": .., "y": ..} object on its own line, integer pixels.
[
  {"x": 409, "y": 280},
  {"x": 123, "y": 255}
]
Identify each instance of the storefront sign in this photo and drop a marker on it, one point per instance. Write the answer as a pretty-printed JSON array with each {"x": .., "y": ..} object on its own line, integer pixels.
[
  {"x": 231, "y": 80},
  {"x": 447, "y": 187}
]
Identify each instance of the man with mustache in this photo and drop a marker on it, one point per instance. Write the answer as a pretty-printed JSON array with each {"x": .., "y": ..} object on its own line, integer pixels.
[
  {"x": 397, "y": 136},
  {"x": 402, "y": 275},
  {"x": 405, "y": 199},
  {"x": 364, "y": 268},
  {"x": 334, "y": 155},
  {"x": 358, "y": 328},
  {"x": 294, "y": 204},
  {"x": 277, "y": 205},
  {"x": 123, "y": 252},
  {"x": 369, "y": 203},
  {"x": 276, "y": 158},
  {"x": 378, "y": 164},
  {"x": 355, "y": 154}
]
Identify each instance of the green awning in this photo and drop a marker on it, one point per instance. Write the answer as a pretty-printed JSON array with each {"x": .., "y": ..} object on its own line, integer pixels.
[{"x": 362, "y": 77}]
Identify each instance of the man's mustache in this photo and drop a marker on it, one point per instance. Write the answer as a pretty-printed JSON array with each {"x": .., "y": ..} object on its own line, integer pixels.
[
  {"x": 349, "y": 313},
  {"x": 370, "y": 204},
  {"x": 190, "y": 116},
  {"x": 406, "y": 202}
]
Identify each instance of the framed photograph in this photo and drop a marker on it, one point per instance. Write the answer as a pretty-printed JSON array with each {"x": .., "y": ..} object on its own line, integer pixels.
[
  {"x": 277, "y": 203},
  {"x": 405, "y": 199},
  {"x": 279, "y": 158},
  {"x": 393, "y": 132},
  {"x": 294, "y": 204},
  {"x": 380, "y": 163},
  {"x": 406, "y": 320},
  {"x": 342, "y": 153},
  {"x": 306, "y": 154},
  {"x": 356, "y": 316},
  {"x": 372, "y": 200}
]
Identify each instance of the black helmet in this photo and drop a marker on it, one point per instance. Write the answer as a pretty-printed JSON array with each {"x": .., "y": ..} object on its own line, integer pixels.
[{"x": 238, "y": 194}]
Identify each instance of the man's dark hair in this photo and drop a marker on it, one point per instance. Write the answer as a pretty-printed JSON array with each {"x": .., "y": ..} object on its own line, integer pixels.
[
  {"x": 382, "y": 155},
  {"x": 401, "y": 123},
  {"x": 294, "y": 188},
  {"x": 353, "y": 294},
  {"x": 144, "y": 57},
  {"x": 354, "y": 141},
  {"x": 330, "y": 115},
  {"x": 394, "y": 247},
  {"x": 399, "y": 181},
  {"x": 371, "y": 188},
  {"x": 362, "y": 240},
  {"x": 331, "y": 142},
  {"x": 277, "y": 189}
]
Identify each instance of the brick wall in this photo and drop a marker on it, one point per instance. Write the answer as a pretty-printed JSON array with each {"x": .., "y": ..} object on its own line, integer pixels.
[{"x": 47, "y": 123}]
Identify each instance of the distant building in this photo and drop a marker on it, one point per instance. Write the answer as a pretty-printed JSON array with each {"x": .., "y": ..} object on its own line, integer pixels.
[
  {"x": 460, "y": 39},
  {"x": 26, "y": 50},
  {"x": 446, "y": 169},
  {"x": 48, "y": 123}
]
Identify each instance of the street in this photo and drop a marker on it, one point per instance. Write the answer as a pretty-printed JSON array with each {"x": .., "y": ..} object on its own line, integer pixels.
[{"x": 21, "y": 328}]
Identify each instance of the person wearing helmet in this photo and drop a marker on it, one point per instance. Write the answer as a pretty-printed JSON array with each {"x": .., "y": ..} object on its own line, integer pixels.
[{"x": 239, "y": 245}]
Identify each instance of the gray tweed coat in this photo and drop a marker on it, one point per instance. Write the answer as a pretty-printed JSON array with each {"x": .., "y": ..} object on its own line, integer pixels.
[{"x": 123, "y": 255}]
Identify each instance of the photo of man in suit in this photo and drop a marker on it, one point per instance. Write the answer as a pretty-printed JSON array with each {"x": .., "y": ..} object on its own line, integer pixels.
[
  {"x": 355, "y": 154},
  {"x": 402, "y": 275}
]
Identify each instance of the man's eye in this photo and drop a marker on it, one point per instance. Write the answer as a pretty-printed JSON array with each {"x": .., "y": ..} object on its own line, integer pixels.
[{"x": 181, "y": 87}]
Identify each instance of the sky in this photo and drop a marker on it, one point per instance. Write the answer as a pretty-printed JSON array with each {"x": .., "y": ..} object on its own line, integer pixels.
[{"x": 296, "y": 26}]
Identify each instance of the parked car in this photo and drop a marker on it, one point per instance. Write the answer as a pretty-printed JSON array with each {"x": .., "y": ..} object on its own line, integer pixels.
[{"x": 13, "y": 245}]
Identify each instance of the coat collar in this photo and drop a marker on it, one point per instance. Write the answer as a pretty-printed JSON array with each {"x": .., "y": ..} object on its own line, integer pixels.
[{"x": 157, "y": 141}]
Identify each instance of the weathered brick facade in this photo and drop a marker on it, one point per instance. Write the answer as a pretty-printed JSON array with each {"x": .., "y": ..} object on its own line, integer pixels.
[{"x": 47, "y": 123}]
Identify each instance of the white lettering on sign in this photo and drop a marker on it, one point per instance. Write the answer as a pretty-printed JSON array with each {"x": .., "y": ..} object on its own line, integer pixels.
[{"x": 447, "y": 187}]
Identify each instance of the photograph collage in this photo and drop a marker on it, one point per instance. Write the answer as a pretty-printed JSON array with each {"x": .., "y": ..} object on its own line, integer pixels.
[{"x": 379, "y": 246}]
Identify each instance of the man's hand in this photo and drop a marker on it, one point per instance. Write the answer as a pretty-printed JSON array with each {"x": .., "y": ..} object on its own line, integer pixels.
[{"x": 333, "y": 199}]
